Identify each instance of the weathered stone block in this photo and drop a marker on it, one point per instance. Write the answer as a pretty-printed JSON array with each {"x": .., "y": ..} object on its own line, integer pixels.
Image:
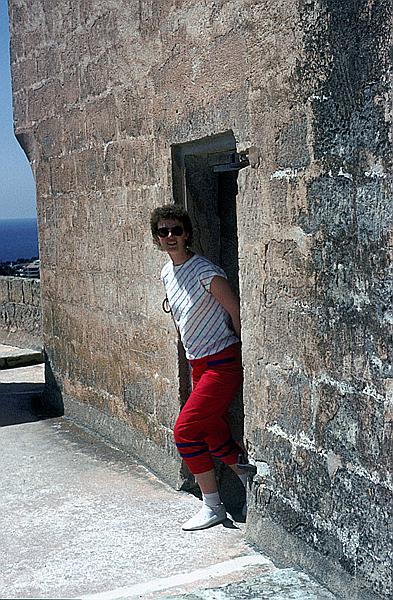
[
  {"x": 133, "y": 112},
  {"x": 48, "y": 65},
  {"x": 63, "y": 175},
  {"x": 17, "y": 50},
  {"x": 103, "y": 26},
  {"x": 101, "y": 120},
  {"x": 113, "y": 165},
  {"x": 43, "y": 185},
  {"x": 16, "y": 290},
  {"x": 71, "y": 87},
  {"x": 60, "y": 20},
  {"x": 89, "y": 173},
  {"x": 20, "y": 312},
  {"x": 4, "y": 289},
  {"x": 139, "y": 396},
  {"x": 292, "y": 150},
  {"x": 24, "y": 74},
  {"x": 50, "y": 135},
  {"x": 97, "y": 76},
  {"x": 139, "y": 164},
  {"x": 45, "y": 101},
  {"x": 20, "y": 109}
]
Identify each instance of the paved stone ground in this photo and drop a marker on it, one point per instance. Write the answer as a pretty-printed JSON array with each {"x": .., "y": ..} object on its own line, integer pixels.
[{"x": 81, "y": 519}]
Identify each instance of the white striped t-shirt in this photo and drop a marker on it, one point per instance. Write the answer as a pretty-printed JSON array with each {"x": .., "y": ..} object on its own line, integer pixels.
[{"x": 205, "y": 326}]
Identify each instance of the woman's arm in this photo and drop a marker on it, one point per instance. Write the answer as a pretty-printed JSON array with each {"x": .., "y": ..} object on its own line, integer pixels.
[{"x": 222, "y": 291}]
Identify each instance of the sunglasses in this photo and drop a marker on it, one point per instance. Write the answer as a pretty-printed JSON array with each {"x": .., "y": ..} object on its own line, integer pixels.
[{"x": 163, "y": 232}]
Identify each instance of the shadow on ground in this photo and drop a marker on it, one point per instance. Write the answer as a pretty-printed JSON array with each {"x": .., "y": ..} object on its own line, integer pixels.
[{"x": 23, "y": 403}]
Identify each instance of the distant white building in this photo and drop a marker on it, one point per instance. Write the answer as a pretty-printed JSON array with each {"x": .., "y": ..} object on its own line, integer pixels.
[{"x": 32, "y": 269}]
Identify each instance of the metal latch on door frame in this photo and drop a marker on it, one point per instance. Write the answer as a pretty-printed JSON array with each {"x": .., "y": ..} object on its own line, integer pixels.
[{"x": 229, "y": 161}]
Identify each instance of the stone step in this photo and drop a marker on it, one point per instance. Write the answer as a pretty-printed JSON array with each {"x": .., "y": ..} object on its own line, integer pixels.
[{"x": 12, "y": 357}]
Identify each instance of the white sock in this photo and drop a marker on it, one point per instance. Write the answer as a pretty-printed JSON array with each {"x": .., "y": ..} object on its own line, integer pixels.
[
  {"x": 211, "y": 499},
  {"x": 244, "y": 478}
]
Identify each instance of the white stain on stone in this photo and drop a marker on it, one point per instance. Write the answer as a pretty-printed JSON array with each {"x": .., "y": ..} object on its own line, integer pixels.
[
  {"x": 360, "y": 300},
  {"x": 344, "y": 387},
  {"x": 341, "y": 386},
  {"x": 298, "y": 235},
  {"x": 334, "y": 463},
  {"x": 300, "y": 440},
  {"x": 284, "y": 174},
  {"x": 388, "y": 317},
  {"x": 370, "y": 391},
  {"x": 106, "y": 146},
  {"x": 376, "y": 361},
  {"x": 376, "y": 171},
  {"x": 345, "y": 174},
  {"x": 349, "y": 540},
  {"x": 289, "y": 500},
  {"x": 263, "y": 468},
  {"x": 372, "y": 476},
  {"x": 317, "y": 97},
  {"x": 351, "y": 432}
]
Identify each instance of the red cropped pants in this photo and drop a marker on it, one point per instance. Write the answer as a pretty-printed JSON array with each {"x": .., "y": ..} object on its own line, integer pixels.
[{"x": 202, "y": 429}]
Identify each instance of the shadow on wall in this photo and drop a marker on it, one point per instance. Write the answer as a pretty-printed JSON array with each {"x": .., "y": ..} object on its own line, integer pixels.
[{"x": 52, "y": 400}]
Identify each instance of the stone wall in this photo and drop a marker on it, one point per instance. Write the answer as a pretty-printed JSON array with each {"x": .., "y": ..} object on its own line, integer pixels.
[
  {"x": 20, "y": 312},
  {"x": 102, "y": 92}
]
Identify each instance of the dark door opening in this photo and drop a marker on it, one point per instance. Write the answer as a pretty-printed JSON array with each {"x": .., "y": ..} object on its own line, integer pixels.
[{"x": 205, "y": 176}]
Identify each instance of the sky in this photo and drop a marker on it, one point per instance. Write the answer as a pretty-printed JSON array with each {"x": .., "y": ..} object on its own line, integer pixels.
[{"x": 17, "y": 187}]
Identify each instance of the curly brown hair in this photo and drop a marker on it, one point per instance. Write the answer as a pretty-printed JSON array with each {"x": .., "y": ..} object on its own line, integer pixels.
[{"x": 170, "y": 211}]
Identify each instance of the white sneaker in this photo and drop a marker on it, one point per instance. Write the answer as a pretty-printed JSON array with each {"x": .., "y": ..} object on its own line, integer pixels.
[{"x": 206, "y": 517}]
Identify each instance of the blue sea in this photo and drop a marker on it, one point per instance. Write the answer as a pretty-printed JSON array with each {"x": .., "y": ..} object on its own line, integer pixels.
[{"x": 18, "y": 239}]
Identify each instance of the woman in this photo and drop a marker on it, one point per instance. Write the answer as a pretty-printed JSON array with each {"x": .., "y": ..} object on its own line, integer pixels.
[{"x": 206, "y": 313}]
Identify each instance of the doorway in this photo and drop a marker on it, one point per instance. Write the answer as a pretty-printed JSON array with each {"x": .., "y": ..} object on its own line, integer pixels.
[{"x": 205, "y": 174}]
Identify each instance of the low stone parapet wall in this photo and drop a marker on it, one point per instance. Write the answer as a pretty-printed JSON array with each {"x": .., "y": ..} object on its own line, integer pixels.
[{"x": 20, "y": 312}]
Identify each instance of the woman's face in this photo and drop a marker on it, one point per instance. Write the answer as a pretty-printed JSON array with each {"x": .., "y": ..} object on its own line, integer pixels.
[{"x": 172, "y": 243}]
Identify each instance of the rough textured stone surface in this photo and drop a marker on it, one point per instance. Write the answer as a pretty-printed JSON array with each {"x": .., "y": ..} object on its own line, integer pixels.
[
  {"x": 284, "y": 584},
  {"x": 20, "y": 312},
  {"x": 102, "y": 91}
]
